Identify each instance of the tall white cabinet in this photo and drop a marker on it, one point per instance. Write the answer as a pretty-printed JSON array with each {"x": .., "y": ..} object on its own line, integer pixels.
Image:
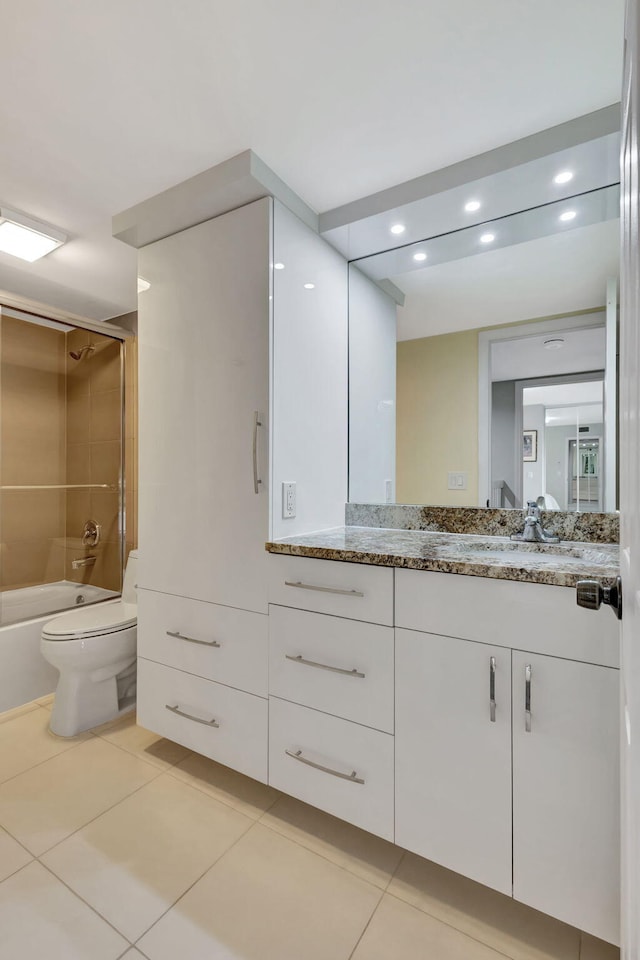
[{"x": 219, "y": 433}]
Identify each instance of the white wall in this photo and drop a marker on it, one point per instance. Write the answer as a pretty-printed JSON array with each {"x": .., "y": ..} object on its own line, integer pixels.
[
  {"x": 533, "y": 473},
  {"x": 309, "y": 378},
  {"x": 372, "y": 391}
]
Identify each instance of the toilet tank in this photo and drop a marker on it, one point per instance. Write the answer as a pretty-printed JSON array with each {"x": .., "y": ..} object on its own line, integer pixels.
[{"x": 130, "y": 579}]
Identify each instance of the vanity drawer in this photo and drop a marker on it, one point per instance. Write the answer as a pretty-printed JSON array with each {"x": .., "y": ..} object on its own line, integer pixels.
[
  {"x": 343, "y": 667},
  {"x": 312, "y": 757},
  {"x": 525, "y": 616},
  {"x": 354, "y": 590},
  {"x": 208, "y": 640},
  {"x": 240, "y": 741}
]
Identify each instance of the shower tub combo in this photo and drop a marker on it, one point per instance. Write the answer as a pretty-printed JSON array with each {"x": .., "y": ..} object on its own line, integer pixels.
[{"x": 63, "y": 511}]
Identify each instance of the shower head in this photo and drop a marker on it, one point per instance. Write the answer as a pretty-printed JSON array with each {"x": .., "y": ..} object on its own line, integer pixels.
[{"x": 79, "y": 354}]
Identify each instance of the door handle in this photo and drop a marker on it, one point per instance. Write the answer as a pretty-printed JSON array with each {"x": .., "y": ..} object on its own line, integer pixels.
[
  {"x": 591, "y": 594},
  {"x": 527, "y": 698},
  {"x": 492, "y": 689},
  {"x": 257, "y": 422}
]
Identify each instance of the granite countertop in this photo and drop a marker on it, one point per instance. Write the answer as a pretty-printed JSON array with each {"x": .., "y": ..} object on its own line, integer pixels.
[{"x": 500, "y": 558}]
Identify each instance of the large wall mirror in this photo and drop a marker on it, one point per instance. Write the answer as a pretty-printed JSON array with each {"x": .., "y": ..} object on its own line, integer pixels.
[{"x": 483, "y": 362}]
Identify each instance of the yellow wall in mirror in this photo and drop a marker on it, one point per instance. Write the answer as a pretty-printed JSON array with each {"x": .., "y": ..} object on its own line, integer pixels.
[{"x": 437, "y": 418}]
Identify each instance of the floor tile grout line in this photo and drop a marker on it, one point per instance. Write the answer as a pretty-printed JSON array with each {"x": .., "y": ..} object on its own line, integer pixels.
[
  {"x": 366, "y": 926},
  {"x": 191, "y": 885},
  {"x": 452, "y": 926},
  {"x": 86, "y": 903},
  {"x": 17, "y": 870},
  {"x": 135, "y": 753},
  {"x": 71, "y": 747},
  {"x": 323, "y": 856},
  {"x": 171, "y": 772},
  {"x": 44, "y": 853}
]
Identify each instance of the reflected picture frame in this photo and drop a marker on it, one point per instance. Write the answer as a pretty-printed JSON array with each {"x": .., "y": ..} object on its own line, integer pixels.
[{"x": 529, "y": 446}]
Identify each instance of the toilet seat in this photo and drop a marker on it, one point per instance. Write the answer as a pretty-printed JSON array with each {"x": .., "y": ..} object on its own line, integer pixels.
[{"x": 95, "y": 621}]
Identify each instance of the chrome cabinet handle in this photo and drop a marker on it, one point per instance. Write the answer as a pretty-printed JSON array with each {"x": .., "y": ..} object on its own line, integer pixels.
[
  {"x": 351, "y": 777},
  {"x": 189, "y": 716},
  {"x": 256, "y": 479},
  {"x": 492, "y": 689},
  {"x": 312, "y": 586},
  {"x": 181, "y": 636},
  {"x": 324, "y": 666},
  {"x": 527, "y": 698}
]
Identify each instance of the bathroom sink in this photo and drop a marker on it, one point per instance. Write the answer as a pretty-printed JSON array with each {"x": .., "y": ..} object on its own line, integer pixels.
[{"x": 515, "y": 551}]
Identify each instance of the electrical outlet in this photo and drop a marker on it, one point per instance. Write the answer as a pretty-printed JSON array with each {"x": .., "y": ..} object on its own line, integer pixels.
[
  {"x": 388, "y": 491},
  {"x": 288, "y": 500}
]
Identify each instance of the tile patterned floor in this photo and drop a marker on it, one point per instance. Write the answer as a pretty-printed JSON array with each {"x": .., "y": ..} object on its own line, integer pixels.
[{"x": 119, "y": 844}]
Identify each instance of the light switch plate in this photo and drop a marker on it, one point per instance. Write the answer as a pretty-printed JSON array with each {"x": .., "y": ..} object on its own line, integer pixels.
[{"x": 457, "y": 481}]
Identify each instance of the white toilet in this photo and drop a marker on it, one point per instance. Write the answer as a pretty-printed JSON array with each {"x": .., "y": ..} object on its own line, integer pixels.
[{"x": 94, "y": 650}]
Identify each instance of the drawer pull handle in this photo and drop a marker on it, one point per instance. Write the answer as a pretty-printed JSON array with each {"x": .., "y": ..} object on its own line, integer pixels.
[
  {"x": 181, "y": 636},
  {"x": 312, "y": 586},
  {"x": 492, "y": 689},
  {"x": 189, "y": 716},
  {"x": 527, "y": 698},
  {"x": 324, "y": 666},
  {"x": 351, "y": 777}
]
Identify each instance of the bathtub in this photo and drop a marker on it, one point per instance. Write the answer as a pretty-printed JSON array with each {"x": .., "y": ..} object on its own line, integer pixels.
[{"x": 24, "y": 673}]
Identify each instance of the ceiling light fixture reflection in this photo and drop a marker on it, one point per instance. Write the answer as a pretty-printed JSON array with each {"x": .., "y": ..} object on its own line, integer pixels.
[
  {"x": 26, "y": 238},
  {"x": 568, "y": 215},
  {"x": 143, "y": 285},
  {"x": 554, "y": 343},
  {"x": 278, "y": 266},
  {"x": 472, "y": 206},
  {"x": 563, "y": 177},
  {"x": 398, "y": 228},
  {"x": 487, "y": 238},
  {"x": 420, "y": 256},
  {"x": 309, "y": 286}
]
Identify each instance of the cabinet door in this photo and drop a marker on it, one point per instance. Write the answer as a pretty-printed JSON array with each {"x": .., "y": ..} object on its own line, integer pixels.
[
  {"x": 204, "y": 365},
  {"x": 566, "y": 792},
  {"x": 453, "y": 761}
]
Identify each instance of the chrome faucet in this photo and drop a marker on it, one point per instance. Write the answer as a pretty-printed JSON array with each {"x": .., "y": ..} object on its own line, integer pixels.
[{"x": 533, "y": 531}]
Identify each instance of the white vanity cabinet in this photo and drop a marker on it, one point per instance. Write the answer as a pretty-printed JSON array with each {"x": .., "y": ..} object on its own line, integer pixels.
[
  {"x": 547, "y": 767},
  {"x": 453, "y": 754}
]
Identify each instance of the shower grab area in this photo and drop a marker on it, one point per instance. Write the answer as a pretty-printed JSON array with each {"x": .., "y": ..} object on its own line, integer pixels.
[{"x": 62, "y": 519}]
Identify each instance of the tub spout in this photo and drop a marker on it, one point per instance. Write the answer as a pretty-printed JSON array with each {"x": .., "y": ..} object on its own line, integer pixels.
[{"x": 82, "y": 562}]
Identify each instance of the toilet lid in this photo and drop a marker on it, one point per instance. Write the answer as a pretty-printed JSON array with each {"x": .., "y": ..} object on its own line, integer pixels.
[{"x": 91, "y": 621}]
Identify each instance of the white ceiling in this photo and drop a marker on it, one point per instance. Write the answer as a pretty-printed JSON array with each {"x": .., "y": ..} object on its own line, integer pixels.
[
  {"x": 105, "y": 104},
  {"x": 552, "y": 275}
]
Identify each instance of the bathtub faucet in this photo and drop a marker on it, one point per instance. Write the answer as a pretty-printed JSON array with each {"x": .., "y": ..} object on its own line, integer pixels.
[{"x": 83, "y": 562}]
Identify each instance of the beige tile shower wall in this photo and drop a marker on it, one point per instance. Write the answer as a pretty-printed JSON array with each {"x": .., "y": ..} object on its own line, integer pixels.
[
  {"x": 437, "y": 419},
  {"x": 131, "y": 442},
  {"x": 94, "y": 451},
  {"x": 32, "y": 438}
]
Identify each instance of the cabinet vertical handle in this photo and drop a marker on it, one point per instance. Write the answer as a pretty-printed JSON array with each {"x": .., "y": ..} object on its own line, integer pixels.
[
  {"x": 256, "y": 479},
  {"x": 492, "y": 689},
  {"x": 527, "y": 698}
]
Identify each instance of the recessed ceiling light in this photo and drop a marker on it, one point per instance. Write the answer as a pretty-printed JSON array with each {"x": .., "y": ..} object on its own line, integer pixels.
[
  {"x": 398, "y": 228},
  {"x": 24, "y": 237},
  {"x": 309, "y": 286},
  {"x": 278, "y": 266},
  {"x": 487, "y": 238},
  {"x": 143, "y": 285},
  {"x": 568, "y": 215},
  {"x": 472, "y": 206},
  {"x": 563, "y": 177},
  {"x": 419, "y": 256},
  {"x": 554, "y": 343}
]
